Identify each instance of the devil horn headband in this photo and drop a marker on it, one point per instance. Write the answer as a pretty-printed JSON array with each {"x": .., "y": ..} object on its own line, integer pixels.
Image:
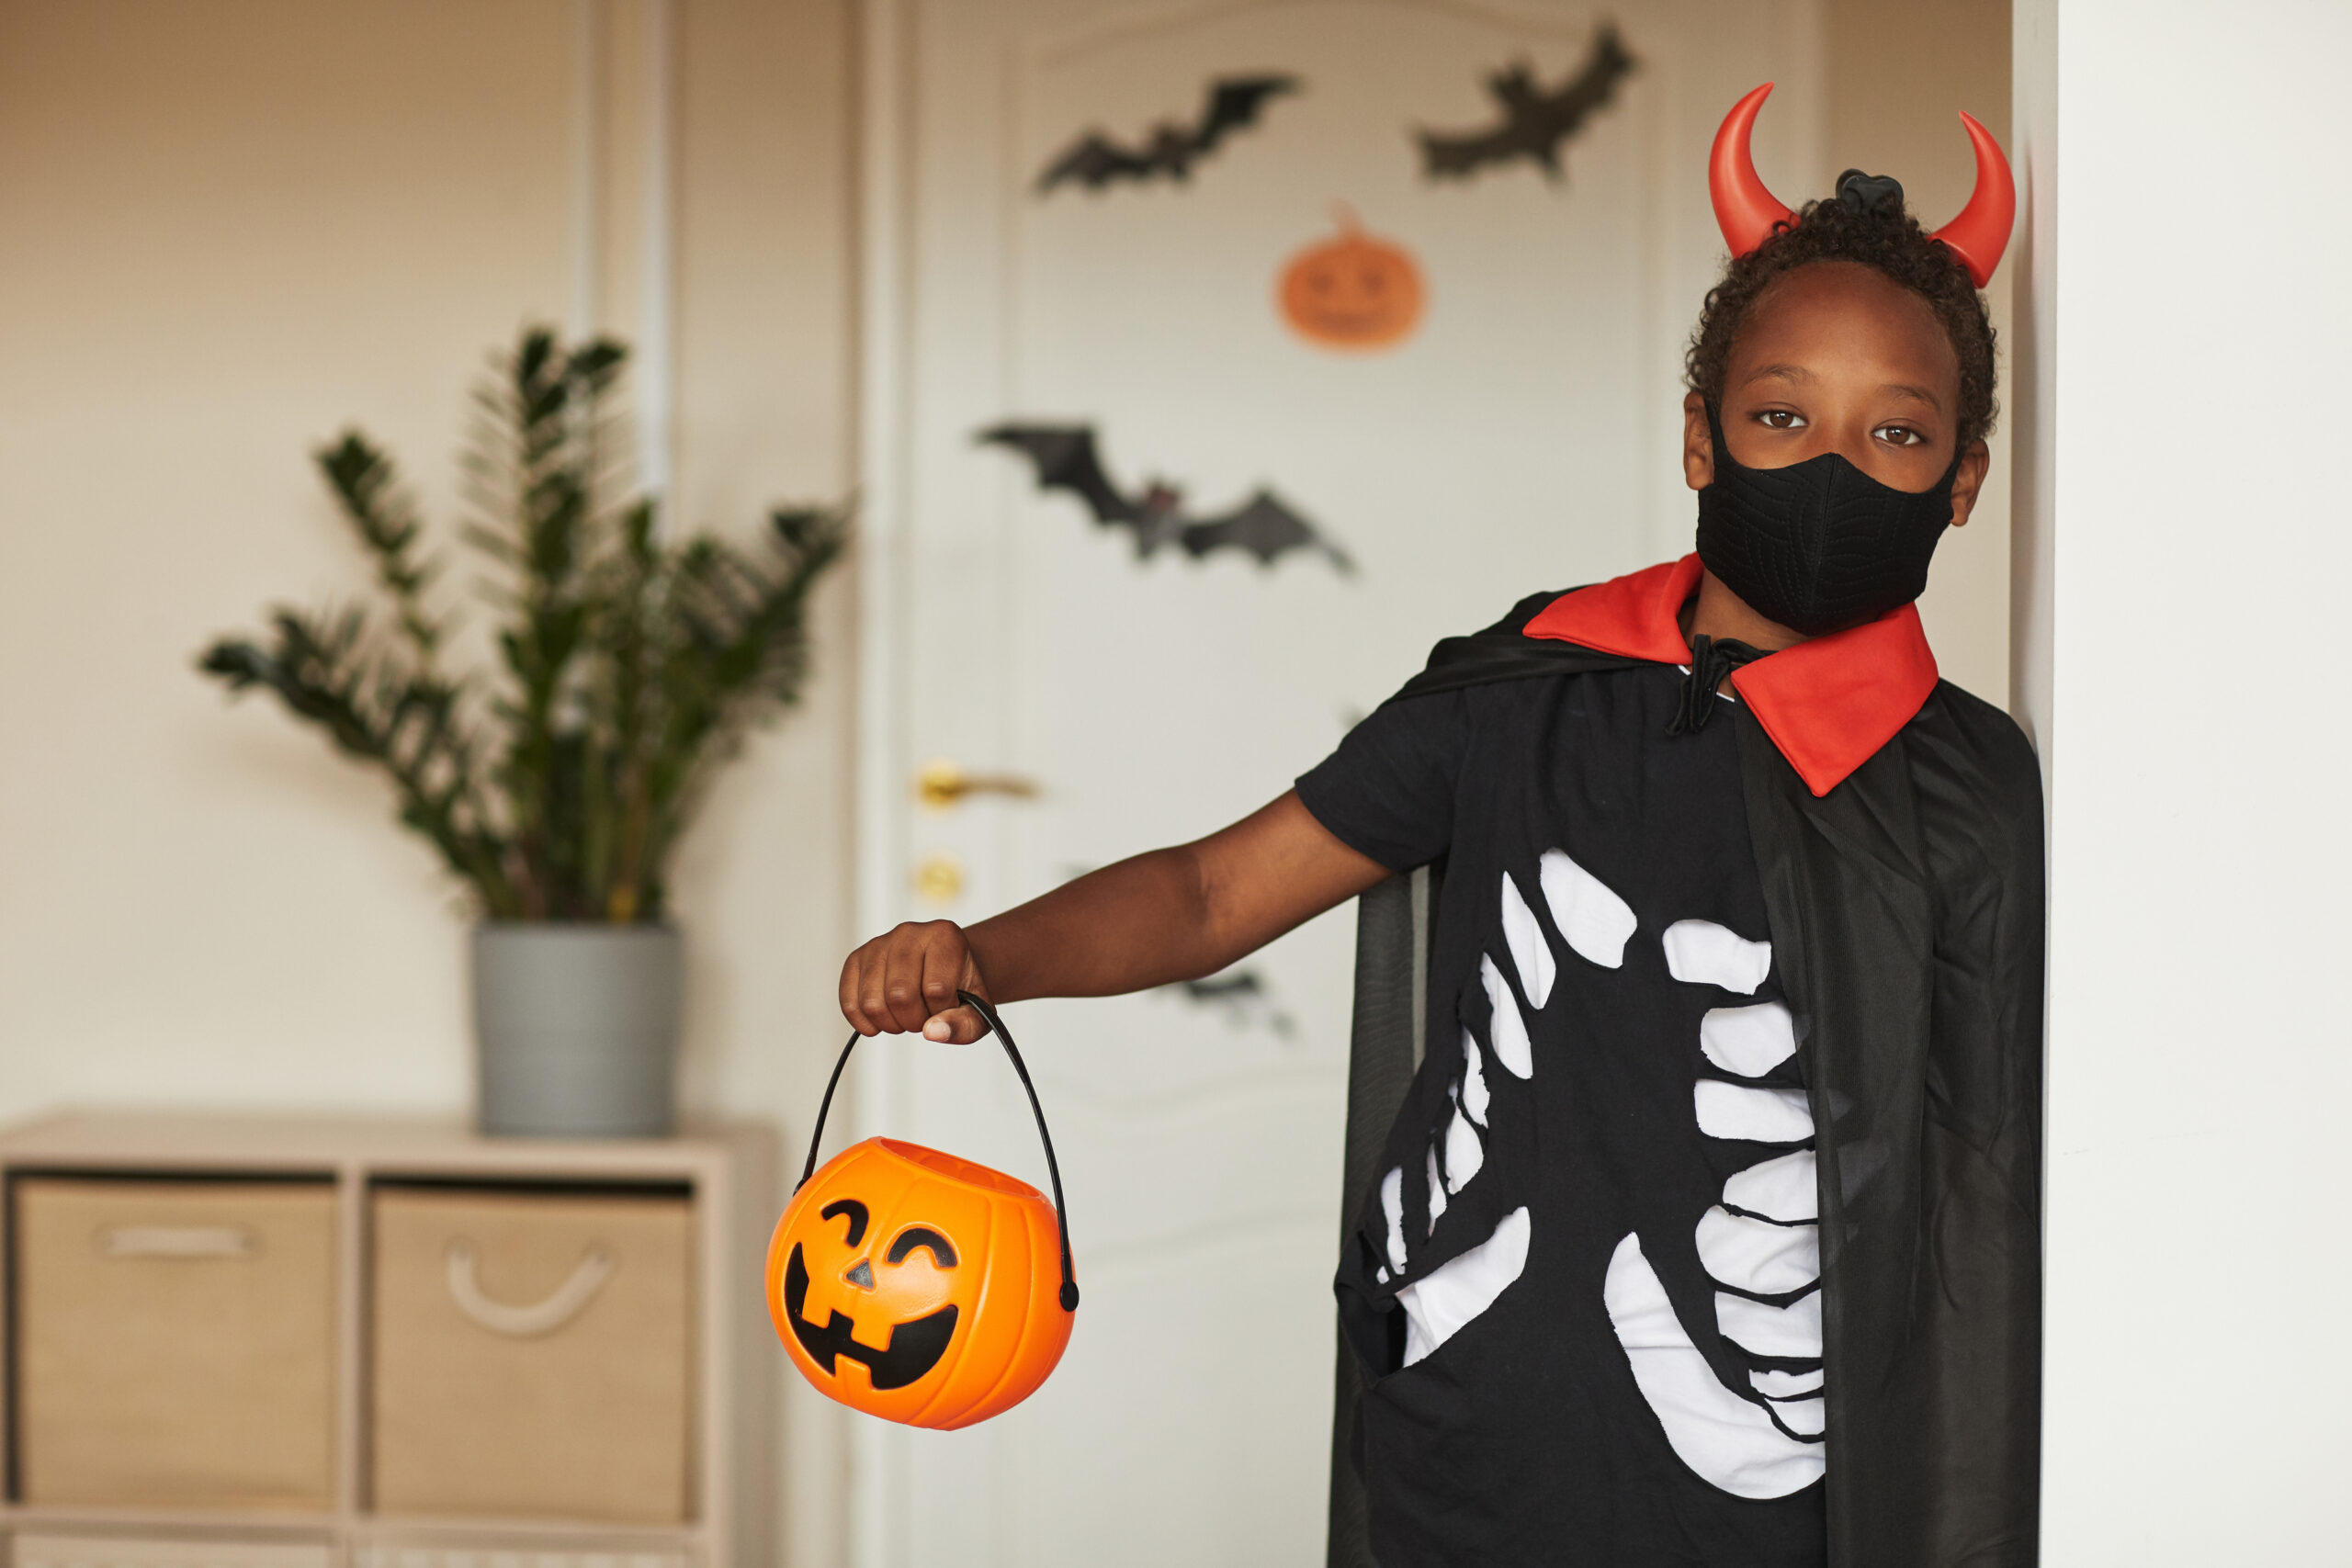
[{"x": 1749, "y": 213}]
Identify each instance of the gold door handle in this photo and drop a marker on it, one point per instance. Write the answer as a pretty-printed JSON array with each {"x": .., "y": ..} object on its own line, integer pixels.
[{"x": 941, "y": 784}]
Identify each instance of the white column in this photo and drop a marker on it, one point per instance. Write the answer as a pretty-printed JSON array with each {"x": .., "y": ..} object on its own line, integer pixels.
[{"x": 2184, "y": 403}]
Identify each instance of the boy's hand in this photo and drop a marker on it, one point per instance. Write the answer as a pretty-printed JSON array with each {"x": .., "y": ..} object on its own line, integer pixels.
[{"x": 905, "y": 983}]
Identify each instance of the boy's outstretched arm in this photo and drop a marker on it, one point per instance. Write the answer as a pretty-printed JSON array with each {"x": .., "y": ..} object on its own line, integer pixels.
[{"x": 1172, "y": 914}]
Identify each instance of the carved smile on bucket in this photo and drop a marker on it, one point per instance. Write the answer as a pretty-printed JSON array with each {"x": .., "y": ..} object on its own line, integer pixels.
[{"x": 914, "y": 1346}]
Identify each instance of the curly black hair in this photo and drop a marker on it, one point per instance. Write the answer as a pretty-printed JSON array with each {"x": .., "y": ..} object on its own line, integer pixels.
[{"x": 1865, "y": 222}]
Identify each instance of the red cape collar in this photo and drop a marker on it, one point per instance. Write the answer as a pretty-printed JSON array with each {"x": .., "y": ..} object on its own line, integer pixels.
[{"x": 1828, "y": 704}]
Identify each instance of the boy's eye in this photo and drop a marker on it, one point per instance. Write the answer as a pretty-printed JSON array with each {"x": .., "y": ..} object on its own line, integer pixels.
[
  {"x": 1781, "y": 419},
  {"x": 1899, "y": 435}
]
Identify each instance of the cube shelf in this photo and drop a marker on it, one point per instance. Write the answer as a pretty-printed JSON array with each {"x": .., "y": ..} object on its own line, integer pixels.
[{"x": 320, "y": 1342}]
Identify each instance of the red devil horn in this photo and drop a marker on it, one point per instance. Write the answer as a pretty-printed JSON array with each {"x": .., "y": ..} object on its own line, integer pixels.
[
  {"x": 1745, "y": 210},
  {"x": 1980, "y": 232}
]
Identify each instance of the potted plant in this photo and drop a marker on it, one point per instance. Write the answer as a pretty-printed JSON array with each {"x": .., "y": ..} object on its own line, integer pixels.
[{"x": 556, "y": 783}]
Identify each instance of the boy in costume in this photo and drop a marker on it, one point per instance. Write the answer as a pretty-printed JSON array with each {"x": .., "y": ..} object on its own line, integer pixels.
[{"x": 1708, "y": 1233}]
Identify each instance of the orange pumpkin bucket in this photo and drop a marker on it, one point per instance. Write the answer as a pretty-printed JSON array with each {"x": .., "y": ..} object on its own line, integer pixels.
[{"x": 918, "y": 1287}]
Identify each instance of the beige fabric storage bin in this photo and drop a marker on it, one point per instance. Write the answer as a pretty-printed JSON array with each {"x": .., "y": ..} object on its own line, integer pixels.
[
  {"x": 175, "y": 1342},
  {"x": 533, "y": 1352}
]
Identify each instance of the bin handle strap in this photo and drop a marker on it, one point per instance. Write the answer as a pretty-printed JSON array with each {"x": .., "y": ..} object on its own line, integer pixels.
[
  {"x": 564, "y": 1303},
  {"x": 177, "y": 1241}
]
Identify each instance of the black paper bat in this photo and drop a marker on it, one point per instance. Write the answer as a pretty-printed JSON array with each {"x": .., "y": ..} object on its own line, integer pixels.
[
  {"x": 1066, "y": 459},
  {"x": 1534, "y": 122},
  {"x": 1094, "y": 160},
  {"x": 1245, "y": 998}
]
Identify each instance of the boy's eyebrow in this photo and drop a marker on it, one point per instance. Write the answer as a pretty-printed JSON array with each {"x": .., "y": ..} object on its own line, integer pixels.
[
  {"x": 1802, "y": 377},
  {"x": 1916, "y": 394}
]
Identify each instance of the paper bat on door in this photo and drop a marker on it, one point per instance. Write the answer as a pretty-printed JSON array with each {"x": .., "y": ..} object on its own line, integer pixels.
[
  {"x": 1534, "y": 122},
  {"x": 1170, "y": 149},
  {"x": 1245, "y": 998},
  {"x": 1066, "y": 459}
]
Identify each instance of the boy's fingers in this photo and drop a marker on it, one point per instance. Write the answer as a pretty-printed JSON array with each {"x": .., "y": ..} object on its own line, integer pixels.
[
  {"x": 957, "y": 1026},
  {"x": 870, "y": 981},
  {"x": 943, "y": 963},
  {"x": 907, "y": 981},
  {"x": 852, "y": 994},
  {"x": 902, "y": 981}
]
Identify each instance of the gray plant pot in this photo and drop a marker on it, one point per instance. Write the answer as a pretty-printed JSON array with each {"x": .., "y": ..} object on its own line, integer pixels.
[{"x": 576, "y": 1028}]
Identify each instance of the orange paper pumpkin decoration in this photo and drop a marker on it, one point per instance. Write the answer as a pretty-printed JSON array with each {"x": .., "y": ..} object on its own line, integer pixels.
[
  {"x": 920, "y": 1287},
  {"x": 1356, "y": 292}
]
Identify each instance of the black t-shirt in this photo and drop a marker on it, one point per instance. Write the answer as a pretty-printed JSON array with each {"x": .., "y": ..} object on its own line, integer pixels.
[{"x": 1586, "y": 1291}]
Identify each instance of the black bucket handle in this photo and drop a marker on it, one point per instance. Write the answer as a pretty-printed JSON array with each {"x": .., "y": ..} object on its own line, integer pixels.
[{"x": 1053, "y": 1170}]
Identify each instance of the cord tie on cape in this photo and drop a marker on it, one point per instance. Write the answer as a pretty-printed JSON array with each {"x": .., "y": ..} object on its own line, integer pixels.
[{"x": 1711, "y": 661}]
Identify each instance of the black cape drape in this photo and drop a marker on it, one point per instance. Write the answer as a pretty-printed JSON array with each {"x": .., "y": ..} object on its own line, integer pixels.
[{"x": 1907, "y": 918}]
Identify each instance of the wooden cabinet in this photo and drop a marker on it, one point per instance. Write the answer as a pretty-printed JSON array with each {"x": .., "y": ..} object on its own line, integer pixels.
[{"x": 383, "y": 1344}]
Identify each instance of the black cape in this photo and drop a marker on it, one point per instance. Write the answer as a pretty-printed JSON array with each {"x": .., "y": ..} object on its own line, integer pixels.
[{"x": 1906, "y": 907}]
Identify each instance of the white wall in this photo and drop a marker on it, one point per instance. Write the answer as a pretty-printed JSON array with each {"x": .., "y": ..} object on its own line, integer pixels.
[
  {"x": 226, "y": 230},
  {"x": 2190, "y": 209}
]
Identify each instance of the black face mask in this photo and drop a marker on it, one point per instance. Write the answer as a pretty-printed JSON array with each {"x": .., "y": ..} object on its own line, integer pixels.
[{"x": 1818, "y": 546}]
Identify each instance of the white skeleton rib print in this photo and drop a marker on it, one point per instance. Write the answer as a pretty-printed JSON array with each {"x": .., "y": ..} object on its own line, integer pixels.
[
  {"x": 1763, "y": 1240},
  {"x": 1760, "y": 1244}
]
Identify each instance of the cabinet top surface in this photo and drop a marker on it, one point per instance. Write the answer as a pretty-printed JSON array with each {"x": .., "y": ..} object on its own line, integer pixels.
[{"x": 204, "y": 1140}]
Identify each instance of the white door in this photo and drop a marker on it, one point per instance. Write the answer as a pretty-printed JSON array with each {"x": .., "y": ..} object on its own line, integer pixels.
[{"x": 1524, "y": 435}]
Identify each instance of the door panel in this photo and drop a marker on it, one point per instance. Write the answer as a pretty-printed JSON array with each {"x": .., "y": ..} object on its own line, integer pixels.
[{"x": 1524, "y": 438}]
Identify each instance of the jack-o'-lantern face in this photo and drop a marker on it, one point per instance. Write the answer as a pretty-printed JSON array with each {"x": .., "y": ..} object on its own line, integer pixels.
[
  {"x": 917, "y": 1286},
  {"x": 915, "y": 1344},
  {"x": 1356, "y": 292}
]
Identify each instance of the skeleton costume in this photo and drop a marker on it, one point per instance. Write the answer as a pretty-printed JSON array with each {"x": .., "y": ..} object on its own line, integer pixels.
[
  {"x": 1708, "y": 1233},
  {"x": 1720, "y": 1175}
]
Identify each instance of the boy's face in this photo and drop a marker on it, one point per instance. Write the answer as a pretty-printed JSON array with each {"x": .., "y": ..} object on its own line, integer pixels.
[{"x": 1837, "y": 357}]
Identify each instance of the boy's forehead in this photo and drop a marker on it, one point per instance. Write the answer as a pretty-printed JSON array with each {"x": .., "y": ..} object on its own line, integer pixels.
[{"x": 1831, "y": 315}]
